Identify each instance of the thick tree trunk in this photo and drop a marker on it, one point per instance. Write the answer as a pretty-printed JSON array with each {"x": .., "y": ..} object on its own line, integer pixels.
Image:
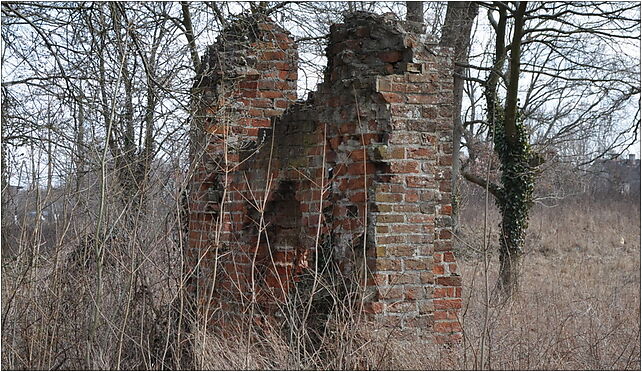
[
  {"x": 510, "y": 262},
  {"x": 415, "y": 11},
  {"x": 456, "y": 33}
]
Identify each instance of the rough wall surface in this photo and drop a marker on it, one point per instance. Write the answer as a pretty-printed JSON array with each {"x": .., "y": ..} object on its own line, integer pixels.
[{"x": 356, "y": 178}]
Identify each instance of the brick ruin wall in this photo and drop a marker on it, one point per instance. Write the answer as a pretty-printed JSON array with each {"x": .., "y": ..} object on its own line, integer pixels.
[{"x": 352, "y": 184}]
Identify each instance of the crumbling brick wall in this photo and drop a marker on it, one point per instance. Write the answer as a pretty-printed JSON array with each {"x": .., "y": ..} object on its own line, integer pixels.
[{"x": 356, "y": 178}]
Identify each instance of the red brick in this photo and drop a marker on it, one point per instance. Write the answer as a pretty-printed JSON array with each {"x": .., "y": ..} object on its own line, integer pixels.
[
  {"x": 388, "y": 265},
  {"x": 419, "y": 181},
  {"x": 391, "y": 239},
  {"x": 422, "y": 99},
  {"x": 358, "y": 168},
  {"x": 249, "y": 93},
  {"x": 445, "y": 315},
  {"x": 263, "y": 123},
  {"x": 375, "y": 307},
  {"x": 284, "y": 66},
  {"x": 255, "y": 111},
  {"x": 427, "y": 278},
  {"x": 388, "y": 198},
  {"x": 266, "y": 84},
  {"x": 411, "y": 196},
  {"x": 358, "y": 197},
  {"x": 407, "y": 232},
  {"x": 405, "y": 229},
  {"x": 390, "y": 57},
  {"x": 248, "y": 85},
  {"x": 402, "y": 307},
  {"x": 416, "y": 264},
  {"x": 404, "y": 167},
  {"x": 393, "y": 97},
  {"x": 261, "y": 103},
  {"x": 442, "y": 292},
  {"x": 271, "y": 94},
  {"x": 281, "y": 103},
  {"x": 358, "y": 155},
  {"x": 444, "y": 327},
  {"x": 392, "y": 293},
  {"x": 445, "y": 160},
  {"x": 390, "y": 218},
  {"x": 441, "y": 246},
  {"x": 441, "y": 304},
  {"x": 401, "y": 250},
  {"x": 446, "y": 210},
  {"x": 413, "y": 293},
  {"x": 273, "y": 55},
  {"x": 380, "y": 279},
  {"x": 449, "y": 257},
  {"x": 421, "y": 153},
  {"x": 453, "y": 281},
  {"x": 398, "y": 279},
  {"x": 422, "y": 218}
]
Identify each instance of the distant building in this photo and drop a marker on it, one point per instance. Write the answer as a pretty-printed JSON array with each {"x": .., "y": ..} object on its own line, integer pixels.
[{"x": 615, "y": 174}]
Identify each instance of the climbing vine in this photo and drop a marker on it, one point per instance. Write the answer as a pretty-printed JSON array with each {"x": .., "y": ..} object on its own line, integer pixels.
[{"x": 517, "y": 178}]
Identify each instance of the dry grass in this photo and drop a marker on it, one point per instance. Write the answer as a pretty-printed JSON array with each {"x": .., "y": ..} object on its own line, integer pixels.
[{"x": 579, "y": 307}]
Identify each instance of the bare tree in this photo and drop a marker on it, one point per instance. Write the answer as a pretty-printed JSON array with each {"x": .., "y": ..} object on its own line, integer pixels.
[{"x": 559, "y": 59}]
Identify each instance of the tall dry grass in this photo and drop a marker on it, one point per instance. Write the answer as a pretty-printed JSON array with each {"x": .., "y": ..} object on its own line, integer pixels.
[{"x": 579, "y": 307}]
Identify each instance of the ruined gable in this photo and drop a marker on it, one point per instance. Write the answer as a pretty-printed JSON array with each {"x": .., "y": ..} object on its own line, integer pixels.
[{"x": 352, "y": 184}]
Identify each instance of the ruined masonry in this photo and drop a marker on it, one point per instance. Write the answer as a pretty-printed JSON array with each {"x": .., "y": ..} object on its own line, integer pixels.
[{"x": 347, "y": 191}]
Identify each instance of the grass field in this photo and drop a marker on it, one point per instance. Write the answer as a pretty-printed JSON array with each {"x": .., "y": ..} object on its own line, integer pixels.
[{"x": 579, "y": 307}]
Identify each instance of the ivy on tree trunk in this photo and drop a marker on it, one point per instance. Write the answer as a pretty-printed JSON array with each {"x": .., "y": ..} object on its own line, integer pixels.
[{"x": 514, "y": 199}]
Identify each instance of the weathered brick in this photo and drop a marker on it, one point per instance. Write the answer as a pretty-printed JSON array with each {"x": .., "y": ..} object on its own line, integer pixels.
[
  {"x": 419, "y": 181},
  {"x": 401, "y": 250},
  {"x": 449, "y": 280},
  {"x": 417, "y": 264},
  {"x": 392, "y": 56},
  {"x": 402, "y": 307},
  {"x": 443, "y": 245},
  {"x": 393, "y": 97},
  {"x": 388, "y": 265},
  {"x": 441, "y": 304},
  {"x": 404, "y": 167},
  {"x": 398, "y": 279},
  {"x": 390, "y": 218},
  {"x": 445, "y": 327},
  {"x": 445, "y": 315},
  {"x": 388, "y": 198},
  {"x": 393, "y": 198},
  {"x": 391, "y": 293},
  {"x": 427, "y": 278},
  {"x": 421, "y": 153}
]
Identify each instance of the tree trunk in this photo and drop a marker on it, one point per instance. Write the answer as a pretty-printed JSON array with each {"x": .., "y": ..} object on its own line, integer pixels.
[
  {"x": 510, "y": 263},
  {"x": 513, "y": 148},
  {"x": 456, "y": 34},
  {"x": 415, "y": 11},
  {"x": 415, "y": 16}
]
